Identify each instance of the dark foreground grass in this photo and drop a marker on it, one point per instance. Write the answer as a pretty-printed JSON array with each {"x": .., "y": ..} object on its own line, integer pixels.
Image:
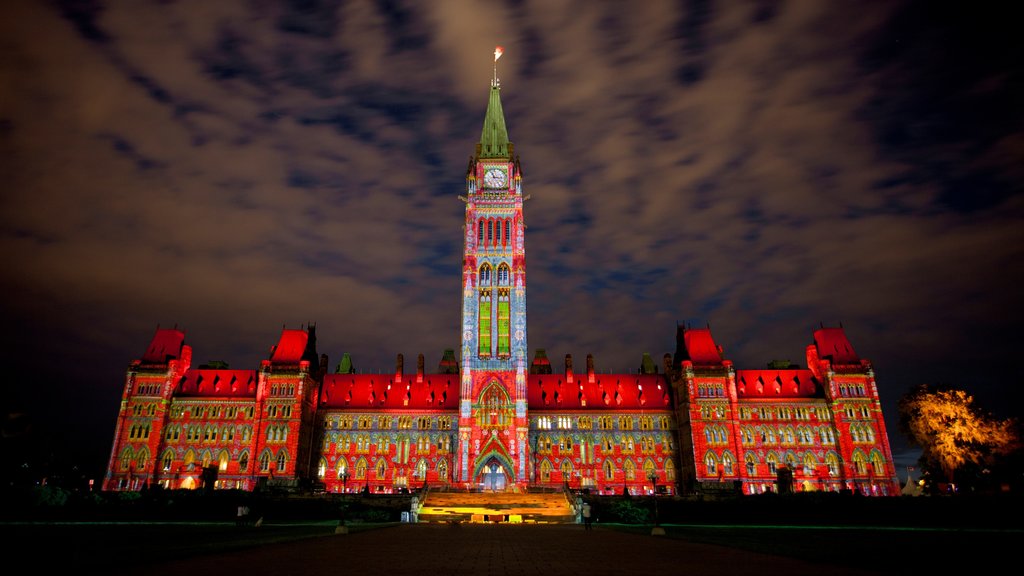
[
  {"x": 92, "y": 547},
  {"x": 883, "y": 549}
]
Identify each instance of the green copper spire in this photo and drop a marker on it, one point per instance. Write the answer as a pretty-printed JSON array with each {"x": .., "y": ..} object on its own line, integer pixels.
[{"x": 494, "y": 138}]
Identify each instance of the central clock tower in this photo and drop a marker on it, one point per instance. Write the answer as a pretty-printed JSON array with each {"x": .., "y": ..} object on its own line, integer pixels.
[{"x": 493, "y": 449}]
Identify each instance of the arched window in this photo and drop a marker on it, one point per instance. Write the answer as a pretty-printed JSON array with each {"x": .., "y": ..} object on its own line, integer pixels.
[
  {"x": 609, "y": 470},
  {"x": 243, "y": 462},
  {"x": 629, "y": 469},
  {"x": 773, "y": 462},
  {"x": 490, "y": 232},
  {"x": 361, "y": 469},
  {"x": 480, "y": 232},
  {"x": 282, "y": 461},
  {"x": 545, "y": 471},
  {"x": 142, "y": 458},
  {"x": 727, "y": 463},
  {"x": 877, "y": 463},
  {"x": 810, "y": 464},
  {"x": 504, "y": 319},
  {"x": 566, "y": 469},
  {"x": 670, "y": 471},
  {"x": 711, "y": 464},
  {"x": 484, "y": 335},
  {"x": 442, "y": 470},
  {"x": 342, "y": 467},
  {"x": 832, "y": 461},
  {"x": 382, "y": 469},
  {"x": 751, "y": 461},
  {"x": 168, "y": 459},
  {"x": 421, "y": 469},
  {"x": 859, "y": 462},
  {"x": 222, "y": 460},
  {"x": 508, "y": 237},
  {"x": 265, "y": 462}
]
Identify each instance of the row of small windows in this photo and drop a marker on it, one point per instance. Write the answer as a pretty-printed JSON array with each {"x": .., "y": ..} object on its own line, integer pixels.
[
  {"x": 627, "y": 444},
  {"x": 212, "y": 412},
  {"x": 494, "y": 232},
  {"x": 723, "y": 464},
  {"x": 629, "y": 470},
  {"x": 364, "y": 442},
  {"x": 366, "y": 422},
  {"x": 282, "y": 389},
  {"x": 207, "y": 433},
  {"x": 626, "y": 422},
  {"x": 750, "y": 436},
  {"x": 146, "y": 409},
  {"x": 279, "y": 411},
  {"x": 862, "y": 433},
  {"x": 130, "y": 459},
  {"x": 148, "y": 388},
  {"x": 783, "y": 412},
  {"x": 711, "y": 390},
  {"x": 381, "y": 469},
  {"x": 502, "y": 277},
  {"x": 858, "y": 412},
  {"x": 851, "y": 390}
]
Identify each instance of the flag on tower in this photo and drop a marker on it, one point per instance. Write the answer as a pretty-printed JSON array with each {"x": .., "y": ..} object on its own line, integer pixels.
[{"x": 498, "y": 51}]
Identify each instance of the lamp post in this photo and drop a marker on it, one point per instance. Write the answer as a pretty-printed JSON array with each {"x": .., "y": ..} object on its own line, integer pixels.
[{"x": 657, "y": 530}]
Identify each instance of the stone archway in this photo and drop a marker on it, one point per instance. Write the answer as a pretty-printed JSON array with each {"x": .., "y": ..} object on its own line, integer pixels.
[{"x": 493, "y": 476}]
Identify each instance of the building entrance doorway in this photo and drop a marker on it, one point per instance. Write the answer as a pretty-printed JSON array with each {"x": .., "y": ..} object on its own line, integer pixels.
[{"x": 493, "y": 476}]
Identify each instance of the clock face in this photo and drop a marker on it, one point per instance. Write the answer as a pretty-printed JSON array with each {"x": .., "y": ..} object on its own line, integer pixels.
[{"x": 495, "y": 178}]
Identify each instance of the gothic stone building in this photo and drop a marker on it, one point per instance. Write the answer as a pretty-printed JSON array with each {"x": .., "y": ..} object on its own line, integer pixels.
[{"x": 498, "y": 419}]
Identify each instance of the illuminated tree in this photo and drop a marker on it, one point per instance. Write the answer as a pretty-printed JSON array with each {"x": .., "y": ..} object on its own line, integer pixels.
[{"x": 953, "y": 433}]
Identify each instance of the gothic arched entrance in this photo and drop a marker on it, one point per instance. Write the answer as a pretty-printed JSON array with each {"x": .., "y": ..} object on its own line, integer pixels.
[{"x": 493, "y": 476}]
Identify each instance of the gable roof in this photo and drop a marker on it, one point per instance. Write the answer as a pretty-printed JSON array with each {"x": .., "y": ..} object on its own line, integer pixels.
[
  {"x": 219, "y": 383},
  {"x": 769, "y": 383},
  {"x": 608, "y": 391},
  {"x": 380, "y": 391},
  {"x": 701, "y": 348},
  {"x": 833, "y": 345},
  {"x": 165, "y": 346}
]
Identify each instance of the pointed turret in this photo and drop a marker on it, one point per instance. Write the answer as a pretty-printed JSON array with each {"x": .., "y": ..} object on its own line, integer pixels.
[{"x": 494, "y": 137}]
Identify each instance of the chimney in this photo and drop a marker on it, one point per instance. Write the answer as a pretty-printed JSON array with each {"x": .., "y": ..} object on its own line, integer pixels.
[
  {"x": 399, "y": 367},
  {"x": 568, "y": 369},
  {"x": 590, "y": 368},
  {"x": 419, "y": 369}
]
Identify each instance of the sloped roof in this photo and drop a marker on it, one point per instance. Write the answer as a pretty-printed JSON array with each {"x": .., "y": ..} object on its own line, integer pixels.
[
  {"x": 494, "y": 136},
  {"x": 701, "y": 347},
  {"x": 379, "y": 391},
  {"x": 220, "y": 383},
  {"x": 165, "y": 346},
  {"x": 833, "y": 345},
  {"x": 608, "y": 391},
  {"x": 290, "y": 347},
  {"x": 769, "y": 383}
]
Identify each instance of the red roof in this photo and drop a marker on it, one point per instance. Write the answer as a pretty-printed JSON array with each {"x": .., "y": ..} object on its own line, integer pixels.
[
  {"x": 211, "y": 382},
  {"x": 609, "y": 391},
  {"x": 166, "y": 346},
  {"x": 833, "y": 345},
  {"x": 290, "y": 347},
  {"x": 379, "y": 391},
  {"x": 798, "y": 383},
  {"x": 701, "y": 347}
]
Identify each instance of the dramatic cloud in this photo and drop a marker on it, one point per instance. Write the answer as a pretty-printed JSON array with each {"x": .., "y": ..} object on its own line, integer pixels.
[{"x": 232, "y": 167}]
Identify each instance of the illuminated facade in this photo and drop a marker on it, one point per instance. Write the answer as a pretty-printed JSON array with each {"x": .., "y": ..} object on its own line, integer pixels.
[{"x": 498, "y": 420}]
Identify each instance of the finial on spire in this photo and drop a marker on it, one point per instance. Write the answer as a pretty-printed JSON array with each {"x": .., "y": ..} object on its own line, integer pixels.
[{"x": 498, "y": 51}]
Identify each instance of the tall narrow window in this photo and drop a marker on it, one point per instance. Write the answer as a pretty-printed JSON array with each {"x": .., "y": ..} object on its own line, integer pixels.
[
  {"x": 480, "y": 232},
  {"x": 504, "y": 323},
  {"x": 490, "y": 232},
  {"x": 484, "y": 336},
  {"x": 508, "y": 237}
]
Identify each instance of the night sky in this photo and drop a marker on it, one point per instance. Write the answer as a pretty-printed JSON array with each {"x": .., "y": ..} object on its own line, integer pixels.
[{"x": 236, "y": 167}]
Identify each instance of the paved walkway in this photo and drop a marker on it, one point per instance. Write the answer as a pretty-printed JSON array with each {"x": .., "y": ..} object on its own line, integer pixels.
[{"x": 493, "y": 549}]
